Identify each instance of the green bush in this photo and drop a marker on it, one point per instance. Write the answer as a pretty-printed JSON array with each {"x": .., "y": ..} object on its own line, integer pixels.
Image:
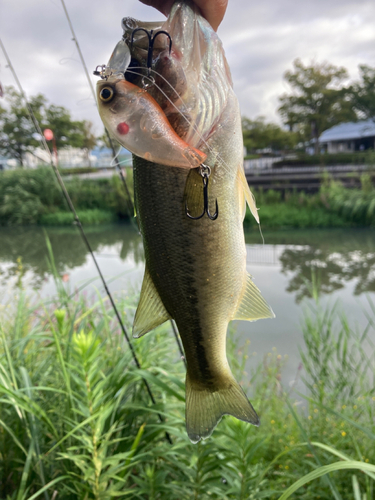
[
  {"x": 333, "y": 206},
  {"x": 34, "y": 197},
  {"x": 31, "y": 196},
  {"x": 286, "y": 216},
  {"x": 79, "y": 170},
  {"x": 356, "y": 158},
  {"x": 87, "y": 217}
]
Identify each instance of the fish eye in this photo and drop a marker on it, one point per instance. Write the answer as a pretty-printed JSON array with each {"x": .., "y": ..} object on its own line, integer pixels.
[{"x": 106, "y": 94}]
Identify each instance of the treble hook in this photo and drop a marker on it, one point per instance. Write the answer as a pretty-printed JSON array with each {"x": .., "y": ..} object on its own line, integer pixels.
[
  {"x": 151, "y": 39},
  {"x": 206, "y": 210}
]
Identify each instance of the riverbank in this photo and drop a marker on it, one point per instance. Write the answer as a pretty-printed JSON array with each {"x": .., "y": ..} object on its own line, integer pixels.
[
  {"x": 33, "y": 197},
  {"x": 76, "y": 419}
]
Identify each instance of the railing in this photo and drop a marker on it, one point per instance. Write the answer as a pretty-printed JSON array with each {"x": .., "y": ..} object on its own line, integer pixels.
[{"x": 303, "y": 169}]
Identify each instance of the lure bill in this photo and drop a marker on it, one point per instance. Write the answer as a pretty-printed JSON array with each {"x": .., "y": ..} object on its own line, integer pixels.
[{"x": 195, "y": 264}]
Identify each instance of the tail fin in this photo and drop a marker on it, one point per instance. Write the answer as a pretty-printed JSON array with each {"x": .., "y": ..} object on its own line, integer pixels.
[{"x": 204, "y": 408}]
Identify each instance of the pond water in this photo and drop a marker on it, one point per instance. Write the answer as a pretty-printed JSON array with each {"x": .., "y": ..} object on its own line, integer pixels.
[{"x": 342, "y": 262}]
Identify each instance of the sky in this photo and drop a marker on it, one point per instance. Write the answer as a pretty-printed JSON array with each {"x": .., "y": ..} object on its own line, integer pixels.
[{"x": 261, "y": 41}]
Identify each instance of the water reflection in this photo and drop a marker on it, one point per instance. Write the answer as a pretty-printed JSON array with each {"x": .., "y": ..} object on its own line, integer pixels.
[
  {"x": 334, "y": 257},
  {"x": 29, "y": 245},
  {"x": 329, "y": 258}
]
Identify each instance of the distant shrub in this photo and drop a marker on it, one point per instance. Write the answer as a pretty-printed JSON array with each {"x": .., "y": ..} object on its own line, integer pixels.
[
  {"x": 28, "y": 196},
  {"x": 77, "y": 170},
  {"x": 287, "y": 216},
  {"x": 355, "y": 158},
  {"x": 89, "y": 217}
]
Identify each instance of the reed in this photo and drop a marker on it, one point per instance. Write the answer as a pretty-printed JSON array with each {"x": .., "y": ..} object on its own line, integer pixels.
[{"x": 76, "y": 422}]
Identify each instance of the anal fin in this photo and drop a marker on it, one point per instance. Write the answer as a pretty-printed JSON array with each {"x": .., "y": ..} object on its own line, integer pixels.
[
  {"x": 253, "y": 306},
  {"x": 150, "y": 311}
]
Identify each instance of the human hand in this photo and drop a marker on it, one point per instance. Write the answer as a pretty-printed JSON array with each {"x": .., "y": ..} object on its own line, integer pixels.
[{"x": 212, "y": 10}]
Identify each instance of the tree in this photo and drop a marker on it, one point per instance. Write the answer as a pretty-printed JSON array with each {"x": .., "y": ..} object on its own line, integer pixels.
[
  {"x": 319, "y": 100},
  {"x": 363, "y": 93},
  {"x": 67, "y": 132},
  {"x": 258, "y": 134},
  {"x": 17, "y": 132}
]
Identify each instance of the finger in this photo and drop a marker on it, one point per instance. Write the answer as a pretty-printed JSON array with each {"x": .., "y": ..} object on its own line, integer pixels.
[
  {"x": 163, "y": 6},
  {"x": 213, "y": 11}
]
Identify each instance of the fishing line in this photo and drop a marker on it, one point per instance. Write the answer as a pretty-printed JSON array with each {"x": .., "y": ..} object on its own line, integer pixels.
[
  {"x": 261, "y": 234},
  {"x": 152, "y": 80},
  {"x": 180, "y": 348},
  {"x": 130, "y": 205},
  {"x": 80, "y": 227},
  {"x": 129, "y": 202}
]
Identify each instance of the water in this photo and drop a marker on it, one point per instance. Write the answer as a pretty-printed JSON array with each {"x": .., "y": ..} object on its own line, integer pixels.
[{"x": 342, "y": 262}]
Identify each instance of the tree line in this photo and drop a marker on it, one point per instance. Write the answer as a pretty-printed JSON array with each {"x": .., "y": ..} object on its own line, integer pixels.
[
  {"x": 319, "y": 99},
  {"x": 17, "y": 131}
]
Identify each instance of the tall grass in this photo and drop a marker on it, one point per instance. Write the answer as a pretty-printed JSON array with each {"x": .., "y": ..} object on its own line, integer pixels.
[{"x": 76, "y": 421}]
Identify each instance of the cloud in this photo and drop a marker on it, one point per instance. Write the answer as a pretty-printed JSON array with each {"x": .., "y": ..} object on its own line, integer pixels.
[{"x": 261, "y": 40}]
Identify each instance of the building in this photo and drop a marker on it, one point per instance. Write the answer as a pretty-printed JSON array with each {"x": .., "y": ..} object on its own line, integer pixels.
[
  {"x": 349, "y": 137},
  {"x": 7, "y": 163}
]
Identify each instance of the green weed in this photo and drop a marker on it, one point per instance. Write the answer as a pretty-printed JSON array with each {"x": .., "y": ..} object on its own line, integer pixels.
[{"x": 76, "y": 420}]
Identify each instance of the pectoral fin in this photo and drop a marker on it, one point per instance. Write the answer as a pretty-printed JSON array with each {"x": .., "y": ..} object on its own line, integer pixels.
[
  {"x": 247, "y": 193},
  {"x": 151, "y": 311},
  {"x": 253, "y": 306}
]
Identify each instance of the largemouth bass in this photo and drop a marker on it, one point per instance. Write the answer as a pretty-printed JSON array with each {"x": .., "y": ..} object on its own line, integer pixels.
[{"x": 195, "y": 269}]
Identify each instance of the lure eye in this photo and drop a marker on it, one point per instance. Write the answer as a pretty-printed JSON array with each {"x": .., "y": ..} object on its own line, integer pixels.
[{"x": 106, "y": 94}]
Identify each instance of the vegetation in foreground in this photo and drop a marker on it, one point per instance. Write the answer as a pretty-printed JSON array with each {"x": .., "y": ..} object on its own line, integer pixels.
[
  {"x": 34, "y": 197},
  {"x": 76, "y": 420}
]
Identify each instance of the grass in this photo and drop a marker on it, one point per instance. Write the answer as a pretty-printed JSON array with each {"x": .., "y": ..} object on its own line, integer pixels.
[
  {"x": 33, "y": 197},
  {"x": 286, "y": 217},
  {"x": 87, "y": 217},
  {"x": 333, "y": 206},
  {"x": 76, "y": 421}
]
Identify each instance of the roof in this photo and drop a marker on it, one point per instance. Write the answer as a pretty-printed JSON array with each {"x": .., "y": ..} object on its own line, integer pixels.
[{"x": 347, "y": 131}]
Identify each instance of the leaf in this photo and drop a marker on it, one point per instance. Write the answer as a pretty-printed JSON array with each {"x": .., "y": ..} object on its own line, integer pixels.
[{"x": 321, "y": 471}]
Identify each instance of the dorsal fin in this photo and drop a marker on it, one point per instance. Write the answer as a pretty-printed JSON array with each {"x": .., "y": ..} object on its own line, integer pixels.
[
  {"x": 150, "y": 311},
  {"x": 253, "y": 306}
]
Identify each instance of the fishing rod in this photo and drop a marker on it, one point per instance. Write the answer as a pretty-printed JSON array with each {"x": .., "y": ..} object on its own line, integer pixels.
[
  {"x": 114, "y": 154},
  {"x": 130, "y": 207},
  {"x": 80, "y": 227}
]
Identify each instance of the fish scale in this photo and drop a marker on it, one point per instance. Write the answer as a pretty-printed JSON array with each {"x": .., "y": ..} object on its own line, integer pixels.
[{"x": 192, "y": 263}]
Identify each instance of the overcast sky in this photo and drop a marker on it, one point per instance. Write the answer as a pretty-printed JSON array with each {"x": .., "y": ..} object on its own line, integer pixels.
[{"x": 261, "y": 40}]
